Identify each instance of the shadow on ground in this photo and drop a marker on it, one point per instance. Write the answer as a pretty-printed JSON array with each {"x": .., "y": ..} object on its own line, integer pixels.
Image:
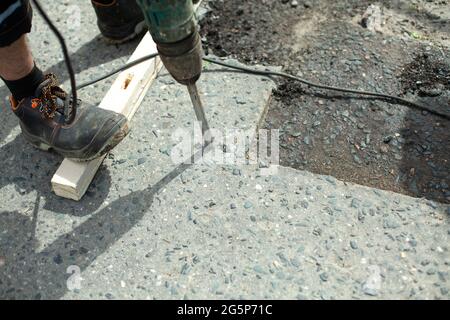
[
  {"x": 27, "y": 274},
  {"x": 425, "y": 165}
]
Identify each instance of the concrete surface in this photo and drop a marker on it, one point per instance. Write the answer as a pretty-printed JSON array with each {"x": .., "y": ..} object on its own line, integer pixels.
[{"x": 150, "y": 229}]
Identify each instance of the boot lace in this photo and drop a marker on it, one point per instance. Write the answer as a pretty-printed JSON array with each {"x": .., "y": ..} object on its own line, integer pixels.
[{"x": 51, "y": 98}]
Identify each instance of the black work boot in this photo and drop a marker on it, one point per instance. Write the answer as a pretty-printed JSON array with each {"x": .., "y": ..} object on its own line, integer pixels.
[
  {"x": 119, "y": 20},
  {"x": 92, "y": 133}
]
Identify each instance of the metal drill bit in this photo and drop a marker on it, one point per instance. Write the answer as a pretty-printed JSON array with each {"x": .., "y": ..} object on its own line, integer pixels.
[{"x": 198, "y": 108}]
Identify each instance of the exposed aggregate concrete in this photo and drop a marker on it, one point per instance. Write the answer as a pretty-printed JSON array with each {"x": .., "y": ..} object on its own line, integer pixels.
[{"x": 148, "y": 229}]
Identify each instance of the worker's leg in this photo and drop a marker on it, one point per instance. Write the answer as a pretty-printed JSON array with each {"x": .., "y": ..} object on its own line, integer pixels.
[
  {"x": 119, "y": 20},
  {"x": 39, "y": 102},
  {"x": 17, "y": 67}
]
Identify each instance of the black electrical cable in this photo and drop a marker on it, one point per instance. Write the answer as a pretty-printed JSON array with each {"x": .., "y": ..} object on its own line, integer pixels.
[
  {"x": 221, "y": 63},
  {"x": 122, "y": 68},
  {"x": 69, "y": 115},
  {"x": 332, "y": 88},
  {"x": 284, "y": 75}
]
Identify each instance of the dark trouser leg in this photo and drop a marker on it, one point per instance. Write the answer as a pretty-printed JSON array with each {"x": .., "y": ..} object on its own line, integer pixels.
[
  {"x": 15, "y": 20},
  {"x": 119, "y": 20},
  {"x": 17, "y": 67}
]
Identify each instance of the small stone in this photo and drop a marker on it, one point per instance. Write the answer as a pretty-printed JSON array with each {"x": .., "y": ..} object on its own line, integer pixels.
[
  {"x": 233, "y": 206},
  {"x": 141, "y": 161},
  {"x": 185, "y": 269},
  {"x": 307, "y": 140},
  {"x": 353, "y": 244},
  {"x": 361, "y": 216},
  {"x": 443, "y": 276},
  {"x": 258, "y": 269},
  {"x": 355, "y": 203},
  {"x": 294, "y": 3},
  {"x": 370, "y": 291},
  {"x": 58, "y": 259},
  {"x": 431, "y": 271},
  {"x": 165, "y": 150},
  {"x": 236, "y": 172},
  {"x": 390, "y": 224},
  {"x": 432, "y": 204},
  {"x": 109, "y": 296},
  {"x": 331, "y": 180},
  {"x": 324, "y": 277},
  {"x": 173, "y": 291},
  {"x": 357, "y": 159},
  {"x": 211, "y": 204},
  {"x": 240, "y": 100},
  {"x": 425, "y": 262},
  {"x": 283, "y": 258},
  {"x": 248, "y": 205},
  {"x": 387, "y": 139},
  {"x": 253, "y": 218},
  {"x": 295, "y": 262}
]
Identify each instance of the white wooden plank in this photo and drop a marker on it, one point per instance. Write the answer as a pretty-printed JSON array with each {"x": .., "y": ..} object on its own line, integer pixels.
[{"x": 72, "y": 179}]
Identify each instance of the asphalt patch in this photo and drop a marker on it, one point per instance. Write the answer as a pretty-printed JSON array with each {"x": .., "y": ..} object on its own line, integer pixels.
[{"x": 356, "y": 139}]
